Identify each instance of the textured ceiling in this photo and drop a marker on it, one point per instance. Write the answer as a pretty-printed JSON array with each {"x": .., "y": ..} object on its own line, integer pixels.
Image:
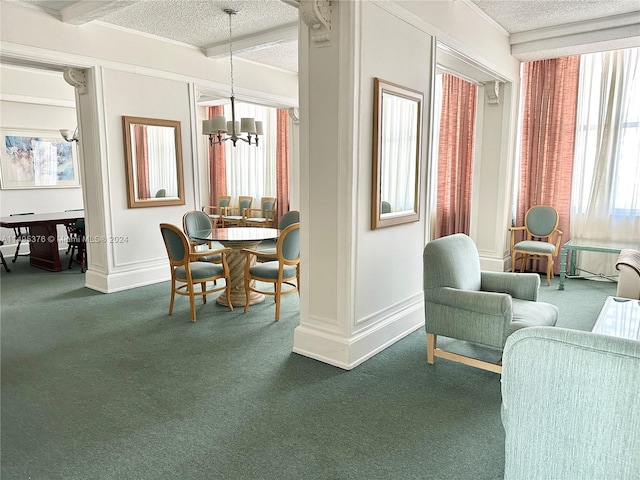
[
  {"x": 517, "y": 16},
  {"x": 264, "y": 30},
  {"x": 201, "y": 23}
]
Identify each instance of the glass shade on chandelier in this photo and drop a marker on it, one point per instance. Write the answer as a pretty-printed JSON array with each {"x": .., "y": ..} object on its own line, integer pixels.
[{"x": 232, "y": 130}]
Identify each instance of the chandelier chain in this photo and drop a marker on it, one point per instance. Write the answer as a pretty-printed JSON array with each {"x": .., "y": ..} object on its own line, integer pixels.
[{"x": 231, "y": 13}]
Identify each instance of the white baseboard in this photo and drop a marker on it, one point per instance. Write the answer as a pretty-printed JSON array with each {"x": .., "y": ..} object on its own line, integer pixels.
[
  {"x": 348, "y": 353},
  {"x": 116, "y": 282}
]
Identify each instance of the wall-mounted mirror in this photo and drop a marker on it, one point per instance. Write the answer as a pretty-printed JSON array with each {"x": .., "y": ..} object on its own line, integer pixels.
[
  {"x": 153, "y": 156},
  {"x": 397, "y": 135}
]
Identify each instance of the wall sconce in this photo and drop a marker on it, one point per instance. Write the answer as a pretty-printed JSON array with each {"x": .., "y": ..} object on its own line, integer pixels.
[{"x": 65, "y": 134}]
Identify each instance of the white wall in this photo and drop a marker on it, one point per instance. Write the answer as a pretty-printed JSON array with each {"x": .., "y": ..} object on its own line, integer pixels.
[
  {"x": 364, "y": 287},
  {"x": 39, "y": 102}
]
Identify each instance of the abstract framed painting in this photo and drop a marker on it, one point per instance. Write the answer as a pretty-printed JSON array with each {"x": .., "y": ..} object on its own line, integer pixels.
[{"x": 37, "y": 159}]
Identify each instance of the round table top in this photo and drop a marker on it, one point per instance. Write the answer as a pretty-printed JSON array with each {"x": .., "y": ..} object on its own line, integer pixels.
[{"x": 237, "y": 234}]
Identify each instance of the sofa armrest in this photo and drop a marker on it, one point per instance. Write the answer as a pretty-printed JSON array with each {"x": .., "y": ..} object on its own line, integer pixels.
[
  {"x": 523, "y": 286},
  {"x": 490, "y": 303}
]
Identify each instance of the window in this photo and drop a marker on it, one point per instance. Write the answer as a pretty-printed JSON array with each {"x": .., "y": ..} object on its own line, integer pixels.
[
  {"x": 251, "y": 170},
  {"x": 608, "y": 132}
]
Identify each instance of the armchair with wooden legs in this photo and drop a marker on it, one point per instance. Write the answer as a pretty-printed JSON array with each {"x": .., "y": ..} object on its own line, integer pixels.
[
  {"x": 479, "y": 307},
  {"x": 215, "y": 212},
  {"x": 265, "y": 216},
  {"x": 542, "y": 238},
  {"x": 284, "y": 270},
  {"x": 235, "y": 215},
  {"x": 187, "y": 271}
]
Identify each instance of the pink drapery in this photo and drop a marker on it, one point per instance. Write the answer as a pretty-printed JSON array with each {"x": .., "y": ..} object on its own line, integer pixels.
[
  {"x": 550, "y": 93},
  {"x": 217, "y": 166},
  {"x": 282, "y": 163},
  {"x": 455, "y": 156},
  {"x": 142, "y": 161}
]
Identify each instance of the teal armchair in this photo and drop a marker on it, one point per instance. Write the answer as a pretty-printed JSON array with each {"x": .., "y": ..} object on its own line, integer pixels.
[{"x": 468, "y": 304}]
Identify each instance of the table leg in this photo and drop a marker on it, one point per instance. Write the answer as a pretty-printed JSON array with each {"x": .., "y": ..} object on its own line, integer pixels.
[
  {"x": 563, "y": 267},
  {"x": 236, "y": 260},
  {"x": 43, "y": 247}
]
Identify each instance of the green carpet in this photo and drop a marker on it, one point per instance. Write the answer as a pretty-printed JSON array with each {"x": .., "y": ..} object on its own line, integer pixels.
[{"x": 101, "y": 386}]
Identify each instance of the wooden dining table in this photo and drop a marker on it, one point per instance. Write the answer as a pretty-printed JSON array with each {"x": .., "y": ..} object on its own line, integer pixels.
[
  {"x": 43, "y": 235},
  {"x": 238, "y": 238}
]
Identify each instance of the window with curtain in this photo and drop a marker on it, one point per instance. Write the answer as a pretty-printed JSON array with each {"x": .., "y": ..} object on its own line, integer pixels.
[
  {"x": 456, "y": 99},
  {"x": 251, "y": 170},
  {"x": 606, "y": 183},
  {"x": 580, "y": 144},
  {"x": 261, "y": 171}
]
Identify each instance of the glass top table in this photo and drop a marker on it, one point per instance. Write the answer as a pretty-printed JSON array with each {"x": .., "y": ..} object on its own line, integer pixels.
[
  {"x": 576, "y": 244},
  {"x": 237, "y": 234},
  {"x": 619, "y": 317},
  {"x": 237, "y": 239}
]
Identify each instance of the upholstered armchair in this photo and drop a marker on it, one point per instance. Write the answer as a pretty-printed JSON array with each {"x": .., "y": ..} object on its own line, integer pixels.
[{"x": 482, "y": 307}]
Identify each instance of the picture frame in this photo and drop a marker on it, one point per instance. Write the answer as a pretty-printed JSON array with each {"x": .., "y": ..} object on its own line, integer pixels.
[{"x": 37, "y": 159}]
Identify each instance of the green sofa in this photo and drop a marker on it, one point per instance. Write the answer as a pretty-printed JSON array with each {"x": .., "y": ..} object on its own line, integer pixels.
[{"x": 570, "y": 406}]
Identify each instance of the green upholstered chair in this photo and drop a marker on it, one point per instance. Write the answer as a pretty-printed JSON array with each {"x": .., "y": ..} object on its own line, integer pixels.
[
  {"x": 463, "y": 302},
  {"x": 187, "y": 271},
  {"x": 284, "y": 270},
  {"x": 161, "y": 193},
  {"x": 570, "y": 407},
  {"x": 195, "y": 221},
  {"x": 542, "y": 238},
  {"x": 216, "y": 212},
  {"x": 386, "y": 207},
  {"x": 289, "y": 218},
  {"x": 265, "y": 216},
  {"x": 235, "y": 215}
]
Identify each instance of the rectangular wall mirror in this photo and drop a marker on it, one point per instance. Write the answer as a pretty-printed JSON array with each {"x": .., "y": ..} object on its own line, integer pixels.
[
  {"x": 397, "y": 135},
  {"x": 153, "y": 156}
]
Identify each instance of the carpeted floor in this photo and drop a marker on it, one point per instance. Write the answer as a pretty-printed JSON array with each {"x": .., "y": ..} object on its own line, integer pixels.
[{"x": 101, "y": 386}]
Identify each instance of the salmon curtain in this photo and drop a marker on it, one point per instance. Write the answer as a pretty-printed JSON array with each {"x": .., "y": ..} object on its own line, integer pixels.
[
  {"x": 142, "y": 161},
  {"x": 217, "y": 169},
  {"x": 282, "y": 163},
  {"x": 455, "y": 156},
  {"x": 550, "y": 93}
]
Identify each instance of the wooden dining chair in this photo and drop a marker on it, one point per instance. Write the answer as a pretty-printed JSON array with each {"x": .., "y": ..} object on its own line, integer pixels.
[
  {"x": 235, "y": 215},
  {"x": 542, "y": 238},
  {"x": 216, "y": 212},
  {"x": 265, "y": 216},
  {"x": 187, "y": 271},
  {"x": 4, "y": 262},
  {"x": 198, "y": 222},
  {"x": 21, "y": 234},
  {"x": 77, "y": 244},
  {"x": 284, "y": 270}
]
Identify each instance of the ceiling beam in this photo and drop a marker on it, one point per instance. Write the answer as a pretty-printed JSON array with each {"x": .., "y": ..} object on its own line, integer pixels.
[
  {"x": 258, "y": 41},
  {"x": 79, "y": 13}
]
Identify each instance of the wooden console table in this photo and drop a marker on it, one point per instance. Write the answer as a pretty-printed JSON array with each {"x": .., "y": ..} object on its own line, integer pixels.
[{"x": 43, "y": 235}]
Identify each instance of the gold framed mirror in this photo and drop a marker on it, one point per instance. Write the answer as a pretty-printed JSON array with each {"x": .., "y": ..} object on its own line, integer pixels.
[
  {"x": 397, "y": 139},
  {"x": 153, "y": 158}
]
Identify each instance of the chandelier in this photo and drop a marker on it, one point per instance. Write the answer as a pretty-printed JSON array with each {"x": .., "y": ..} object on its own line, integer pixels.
[{"x": 216, "y": 126}]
